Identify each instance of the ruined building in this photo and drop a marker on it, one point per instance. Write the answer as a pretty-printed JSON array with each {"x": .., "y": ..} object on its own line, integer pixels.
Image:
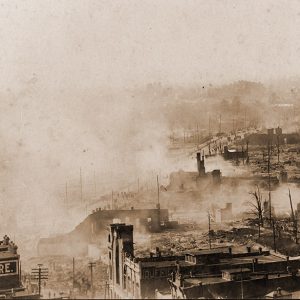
[
  {"x": 182, "y": 180},
  {"x": 234, "y": 154},
  {"x": 228, "y": 272},
  {"x": 273, "y": 136},
  {"x": 93, "y": 228},
  {"x": 200, "y": 164},
  {"x": 133, "y": 277},
  {"x": 223, "y": 214}
]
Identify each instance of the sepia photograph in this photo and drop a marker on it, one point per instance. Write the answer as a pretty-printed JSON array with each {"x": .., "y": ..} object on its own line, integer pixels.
[{"x": 150, "y": 149}]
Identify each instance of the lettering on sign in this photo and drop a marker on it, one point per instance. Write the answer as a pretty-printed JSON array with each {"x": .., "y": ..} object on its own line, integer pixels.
[{"x": 8, "y": 267}]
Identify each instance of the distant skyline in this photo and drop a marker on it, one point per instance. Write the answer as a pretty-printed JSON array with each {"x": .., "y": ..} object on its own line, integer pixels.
[{"x": 88, "y": 44}]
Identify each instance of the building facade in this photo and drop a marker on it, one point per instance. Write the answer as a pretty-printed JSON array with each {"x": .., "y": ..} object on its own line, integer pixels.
[{"x": 133, "y": 277}]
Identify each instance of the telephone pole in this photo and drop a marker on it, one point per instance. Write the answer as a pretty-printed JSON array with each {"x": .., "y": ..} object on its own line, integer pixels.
[
  {"x": 269, "y": 181},
  {"x": 242, "y": 284},
  {"x": 81, "y": 194},
  {"x": 157, "y": 182},
  {"x": 209, "y": 239},
  {"x": 73, "y": 270},
  {"x": 91, "y": 266},
  {"x": 39, "y": 274},
  {"x": 66, "y": 204}
]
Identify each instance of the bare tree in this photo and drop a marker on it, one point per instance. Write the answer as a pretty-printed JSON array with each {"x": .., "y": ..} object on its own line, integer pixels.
[{"x": 257, "y": 208}]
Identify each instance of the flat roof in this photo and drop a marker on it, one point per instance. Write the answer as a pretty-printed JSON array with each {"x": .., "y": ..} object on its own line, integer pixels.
[
  {"x": 158, "y": 264},
  {"x": 237, "y": 270},
  {"x": 249, "y": 259},
  {"x": 208, "y": 280}
]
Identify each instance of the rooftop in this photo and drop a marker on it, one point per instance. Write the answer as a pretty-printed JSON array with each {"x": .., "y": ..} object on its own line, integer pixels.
[
  {"x": 8, "y": 249},
  {"x": 237, "y": 270}
]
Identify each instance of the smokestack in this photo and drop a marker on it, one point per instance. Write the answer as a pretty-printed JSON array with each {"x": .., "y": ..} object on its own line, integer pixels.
[
  {"x": 200, "y": 164},
  {"x": 157, "y": 251},
  {"x": 198, "y": 161}
]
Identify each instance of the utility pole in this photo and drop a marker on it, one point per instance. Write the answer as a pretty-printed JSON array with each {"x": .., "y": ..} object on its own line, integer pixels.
[
  {"x": 66, "y": 204},
  {"x": 112, "y": 200},
  {"x": 247, "y": 143},
  {"x": 81, "y": 194},
  {"x": 274, "y": 235},
  {"x": 39, "y": 274},
  {"x": 278, "y": 150},
  {"x": 95, "y": 183},
  {"x": 158, "y": 204},
  {"x": 198, "y": 136},
  {"x": 91, "y": 266},
  {"x": 242, "y": 284},
  {"x": 269, "y": 182},
  {"x": 295, "y": 225},
  {"x": 243, "y": 155},
  {"x": 220, "y": 123},
  {"x": 209, "y": 238},
  {"x": 73, "y": 271}
]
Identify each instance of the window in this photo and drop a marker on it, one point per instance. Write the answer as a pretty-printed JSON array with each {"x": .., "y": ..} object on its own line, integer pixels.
[
  {"x": 109, "y": 254},
  {"x": 109, "y": 238},
  {"x": 146, "y": 274}
]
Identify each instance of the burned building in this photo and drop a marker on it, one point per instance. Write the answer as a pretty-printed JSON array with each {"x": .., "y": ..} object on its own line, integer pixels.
[
  {"x": 223, "y": 214},
  {"x": 133, "y": 277},
  {"x": 191, "y": 180},
  {"x": 207, "y": 273},
  {"x": 234, "y": 154},
  {"x": 200, "y": 164},
  {"x": 273, "y": 136},
  {"x": 94, "y": 226}
]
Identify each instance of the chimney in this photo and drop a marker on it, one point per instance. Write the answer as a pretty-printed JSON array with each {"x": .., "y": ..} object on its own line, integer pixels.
[
  {"x": 157, "y": 252},
  {"x": 260, "y": 250},
  {"x": 248, "y": 249},
  {"x": 200, "y": 164},
  {"x": 230, "y": 250}
]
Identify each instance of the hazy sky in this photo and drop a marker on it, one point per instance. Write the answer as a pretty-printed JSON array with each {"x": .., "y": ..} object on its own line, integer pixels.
[
  {"x": 62, "y": 44},
  {"x": 56, "y": 56}
]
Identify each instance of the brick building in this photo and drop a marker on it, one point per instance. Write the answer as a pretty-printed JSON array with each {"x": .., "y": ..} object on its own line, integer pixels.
[
  {"x": 234, "y": 274},
  {"x": 133, "y": 277}
]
